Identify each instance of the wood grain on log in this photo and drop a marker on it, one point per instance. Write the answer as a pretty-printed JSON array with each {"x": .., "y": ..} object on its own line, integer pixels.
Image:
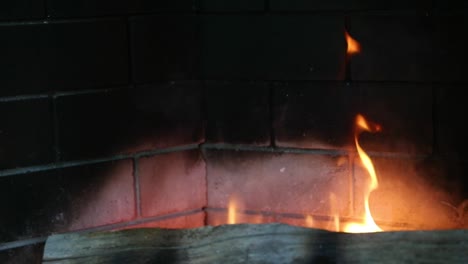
[{"x": 256, "y": 243}]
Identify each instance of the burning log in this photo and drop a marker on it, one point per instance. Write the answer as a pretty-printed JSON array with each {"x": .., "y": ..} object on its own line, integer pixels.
[{"x": 256, "y": 243}]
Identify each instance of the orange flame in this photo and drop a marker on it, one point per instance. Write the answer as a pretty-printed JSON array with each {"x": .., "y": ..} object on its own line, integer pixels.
[
  {"x": 353, "y": 46},
  {"x": 368, "y": 225},
  {"x": 309, "y": 221},
  {"x": 233, "y": 206}
]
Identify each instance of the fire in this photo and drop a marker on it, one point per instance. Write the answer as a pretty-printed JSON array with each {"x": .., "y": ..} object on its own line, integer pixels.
[
  {"x": 368, "y": 224},
  {"x": 353, "y": 46},
  {"x": 309, "y": 221},
  {"x": 232, "y": 210}
]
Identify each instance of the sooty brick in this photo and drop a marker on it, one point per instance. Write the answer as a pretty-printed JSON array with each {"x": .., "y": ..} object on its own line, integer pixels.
[
  {"x": 59, "y": 56},
  {"x": 238, "y": 113},
  {"x": 26, "y": 133}
]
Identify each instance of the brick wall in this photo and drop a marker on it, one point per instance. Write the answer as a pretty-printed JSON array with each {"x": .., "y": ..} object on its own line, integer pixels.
[{"x": 121, "y": 114}]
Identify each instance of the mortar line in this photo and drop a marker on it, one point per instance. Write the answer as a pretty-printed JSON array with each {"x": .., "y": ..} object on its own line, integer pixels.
[
  {"x": 106, "y": 89},
  {"x": 240, "y": 147},
  {"x": 135, "y": 222},
  {"x": 204, "y": 109},
  {"x": 67, "y": 164},
  {"x": 276, "y": 214},
  {"x": 267, "y": 6},
  {"x": 271, "y": 108},
  {"x": 299, "y": 216},
  {"x": 203, "y": 155},
  {"x": 333, "y": 12},
  {"x": 48, "y": 19},
  {"x": 59, "y": 19},
  {"x": 55, "y": 129},
  {"x": 25, "y": 97},
  {"x": 434, "y": 118},
  {"x": 57, "y": 165},
  {"x": 46, "y": 8},
  {"x": 22, "y": 243},
  {"x": 154, "y": 152},
  {"x": 214, "y": 146},
  {"x": 297, "y": 150},
  {"x": 136, "y": 182},
  {"x": 340, "y": 82},
  {"x": 129, "y": 50},
  {"x": 42, "y": 239},
  {"x": 204, "y": 120}
]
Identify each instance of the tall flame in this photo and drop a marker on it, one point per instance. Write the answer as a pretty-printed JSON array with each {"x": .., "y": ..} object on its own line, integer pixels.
[
  {"x": 232, "y": 210},
  {"x": 368, "y": 224},
  {"x": 353, "y": 46}
]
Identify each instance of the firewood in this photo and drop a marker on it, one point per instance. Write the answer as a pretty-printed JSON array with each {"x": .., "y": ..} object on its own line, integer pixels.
[{"x": 256, "y": 243}]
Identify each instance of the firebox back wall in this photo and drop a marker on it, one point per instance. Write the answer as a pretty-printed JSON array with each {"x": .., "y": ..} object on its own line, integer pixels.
[{"x": 119, "y": 114}]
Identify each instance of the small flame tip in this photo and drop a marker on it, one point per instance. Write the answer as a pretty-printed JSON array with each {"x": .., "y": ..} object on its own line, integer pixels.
[{"x": 353, "y": 46}]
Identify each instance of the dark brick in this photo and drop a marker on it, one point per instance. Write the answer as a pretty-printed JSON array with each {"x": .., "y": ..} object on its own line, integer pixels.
[
  {"x": 450, "y": 174},
  {"x": 39, "y": 204},
  {"x": 125, "y": 121},
  {"x": 165, "y": 47},
  {"x": 239, "y": 5},
  {"x": 405, "y": 114},
  {"x": 447, "y": 175},
  {"x": 62, "y": 56},
  {"x": 278, "y": 183},
  {"x": 172, "y": 183},
  {"x": 450, "y": 7},
  {"x": 273, "y": 47},
  {"x": 449, "y": 51},
  {"x": 451, "y": 109},
  {"x": 167, "y": 114},
  {"x": 93, "y": 125},
  {"x": 73, "y": 8},
  {"x": 314, "y": 115},
  {"x": 26, "y": 136},
  {"x": 21, "y": 9},
  {"x": 393, "y": 48},
  {"x": 303, "y": 5},
  {"x": 31, "y": 254},
  {"x": 405, "y": 198},
  {"x": 238, "y": 113},
  {"x": 322, "y": 116}
]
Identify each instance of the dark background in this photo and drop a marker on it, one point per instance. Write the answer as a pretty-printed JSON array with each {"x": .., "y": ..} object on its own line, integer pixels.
[{"x": 85, "y": 80}]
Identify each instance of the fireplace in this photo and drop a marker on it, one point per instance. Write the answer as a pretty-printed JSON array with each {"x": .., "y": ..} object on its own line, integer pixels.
[{"x": 128, "y": 114}]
